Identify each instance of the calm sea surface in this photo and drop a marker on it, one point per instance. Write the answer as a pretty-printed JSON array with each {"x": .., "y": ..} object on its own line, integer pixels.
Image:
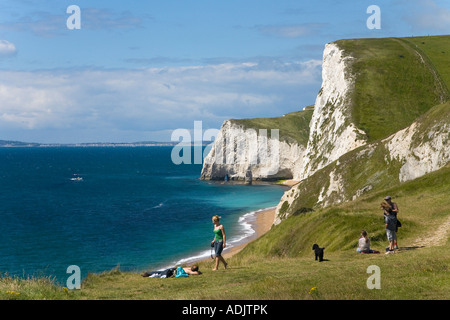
[{"x": 130, "y": 207}]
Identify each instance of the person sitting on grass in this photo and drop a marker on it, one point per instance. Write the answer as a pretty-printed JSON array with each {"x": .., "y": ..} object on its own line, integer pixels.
[{"x": 364, "y": 244}]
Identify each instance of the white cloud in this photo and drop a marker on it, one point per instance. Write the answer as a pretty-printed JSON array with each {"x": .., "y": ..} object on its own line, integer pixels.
[
  {"x": 7, "y": 48},
  {"x": 154, "y": 99}
]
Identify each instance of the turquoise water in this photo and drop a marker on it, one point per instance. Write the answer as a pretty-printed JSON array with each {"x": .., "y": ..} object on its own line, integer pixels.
[{"x": 131, "y": 207}]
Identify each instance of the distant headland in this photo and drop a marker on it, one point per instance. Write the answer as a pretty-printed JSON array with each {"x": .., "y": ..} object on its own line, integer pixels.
[{"x": 8, "y": 143}]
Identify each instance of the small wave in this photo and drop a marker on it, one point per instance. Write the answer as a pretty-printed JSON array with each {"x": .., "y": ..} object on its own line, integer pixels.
[
  {"x": 247, "y": 223},
  {"x": 158, "y": 206},
  {"x": 201, "y": 256}
]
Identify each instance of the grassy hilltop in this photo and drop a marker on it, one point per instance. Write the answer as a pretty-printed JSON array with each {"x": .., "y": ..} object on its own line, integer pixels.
[
  {"x": 398, "y": 81},
  {"x": 294, "y": 126}
]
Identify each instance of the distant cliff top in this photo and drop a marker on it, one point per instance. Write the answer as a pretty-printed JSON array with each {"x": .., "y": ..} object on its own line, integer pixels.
[
  {"x": 294, "y": 126},
  {"x": 396, "y": 80}
]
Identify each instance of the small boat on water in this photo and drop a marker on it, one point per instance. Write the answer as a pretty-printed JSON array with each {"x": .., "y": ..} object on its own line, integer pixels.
[{"x": 77, "y": 179}]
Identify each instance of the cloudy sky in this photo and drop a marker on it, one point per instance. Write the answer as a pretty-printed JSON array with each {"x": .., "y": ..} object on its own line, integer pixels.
[{"x": 137, "y": 70}]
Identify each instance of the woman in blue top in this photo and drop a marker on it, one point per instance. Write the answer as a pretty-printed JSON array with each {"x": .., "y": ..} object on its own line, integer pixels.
[{"x": 219, "y": 241}]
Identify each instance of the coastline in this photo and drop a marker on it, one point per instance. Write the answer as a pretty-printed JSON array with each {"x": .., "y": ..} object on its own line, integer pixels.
[{"x": 263, "y": 222}]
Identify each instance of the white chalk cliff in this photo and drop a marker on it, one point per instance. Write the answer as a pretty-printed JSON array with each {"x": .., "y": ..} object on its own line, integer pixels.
[
  {"x": 420, "y": 151},
  {"x": 332, "y": 132},
  {"x": 237, "y": 150}
]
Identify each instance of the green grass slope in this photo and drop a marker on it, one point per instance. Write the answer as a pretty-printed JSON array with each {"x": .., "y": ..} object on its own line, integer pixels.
[
  {"x": 437, "y": 50},
  {"x": 294, "y": 126},
  {"x": 395, "y": 81}
]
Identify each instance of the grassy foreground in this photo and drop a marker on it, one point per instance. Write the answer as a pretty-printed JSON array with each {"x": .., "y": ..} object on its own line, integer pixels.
[
  {"x": 280, "y": 264},
  {"x": 420, "y": 273}
]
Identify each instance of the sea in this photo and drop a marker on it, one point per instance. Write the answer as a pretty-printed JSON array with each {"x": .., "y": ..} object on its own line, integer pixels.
[{"x": 100, "y": 208}]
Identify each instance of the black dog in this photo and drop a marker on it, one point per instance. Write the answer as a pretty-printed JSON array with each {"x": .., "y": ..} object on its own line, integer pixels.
[{"x": 318, "y": 252}]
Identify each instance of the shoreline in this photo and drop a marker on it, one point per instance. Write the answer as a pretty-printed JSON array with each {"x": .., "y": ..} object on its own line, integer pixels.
[{"x": 263, "y": 222}]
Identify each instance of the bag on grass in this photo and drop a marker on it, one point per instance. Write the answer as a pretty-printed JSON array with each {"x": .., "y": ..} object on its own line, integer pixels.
[{"x": 167, "y": 273}]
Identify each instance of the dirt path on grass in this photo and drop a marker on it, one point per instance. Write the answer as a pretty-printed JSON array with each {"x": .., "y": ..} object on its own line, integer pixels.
[
  {"x": 440, "y": 85},
  {"x": 438, "y": 237}
]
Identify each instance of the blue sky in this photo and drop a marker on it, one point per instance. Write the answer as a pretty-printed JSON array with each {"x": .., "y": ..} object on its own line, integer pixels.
[{"x": 137, "y": 70}]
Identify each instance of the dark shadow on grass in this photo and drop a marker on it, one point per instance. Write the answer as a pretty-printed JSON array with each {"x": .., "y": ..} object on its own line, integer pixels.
[
  {"x": 323, "y": 260},
  {"x": 410, "y": 248}
]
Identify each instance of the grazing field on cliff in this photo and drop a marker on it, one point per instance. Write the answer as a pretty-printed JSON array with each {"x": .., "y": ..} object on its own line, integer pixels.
[
  {"x": 396, "y": 80},
  {"x": 293, "y": 126}
]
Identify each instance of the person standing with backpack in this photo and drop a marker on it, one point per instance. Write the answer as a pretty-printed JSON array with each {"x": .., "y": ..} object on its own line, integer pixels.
[
  {"x": 390, "y": 224},
  {"x": 394, "y": 211}
]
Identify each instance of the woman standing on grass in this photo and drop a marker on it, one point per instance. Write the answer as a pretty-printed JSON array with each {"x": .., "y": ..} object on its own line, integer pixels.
[{"x": 219, "y": 241}]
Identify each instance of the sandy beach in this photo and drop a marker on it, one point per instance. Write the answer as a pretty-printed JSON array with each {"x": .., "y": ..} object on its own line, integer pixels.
[
  {"x": 291, "y": 182},
  {"x": 263, "y": 223}
]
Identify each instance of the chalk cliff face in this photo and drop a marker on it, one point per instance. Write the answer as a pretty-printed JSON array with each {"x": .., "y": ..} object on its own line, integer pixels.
[
  {"x": 421, "y": 149},
  {"x": 332, "y": 132},
  {"x": 238, "y": 151}
]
